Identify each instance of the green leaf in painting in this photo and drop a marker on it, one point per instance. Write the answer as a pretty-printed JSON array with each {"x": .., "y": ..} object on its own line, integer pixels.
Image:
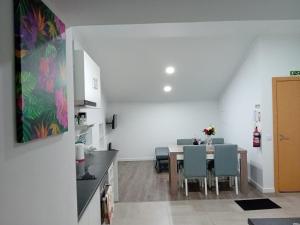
[
  {"x": 28, "y": 83},
  {"x": 33, "y": 107},
  {"x": 22, "y": 7},
  {"x": 24, "y": 131},
  {"x": 50, "y": 51}
]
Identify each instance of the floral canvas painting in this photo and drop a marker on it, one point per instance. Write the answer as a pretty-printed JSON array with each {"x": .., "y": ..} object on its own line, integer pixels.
[{"x": 40, "y": 67}]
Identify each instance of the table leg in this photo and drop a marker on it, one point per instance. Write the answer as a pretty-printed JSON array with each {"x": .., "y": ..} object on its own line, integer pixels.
[
  {"x": 244, "y": 172},
  {"x": 173, "y": 175}
]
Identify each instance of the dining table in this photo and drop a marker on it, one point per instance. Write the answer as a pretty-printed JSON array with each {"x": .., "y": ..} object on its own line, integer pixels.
[{"x": 176, "y": 153}]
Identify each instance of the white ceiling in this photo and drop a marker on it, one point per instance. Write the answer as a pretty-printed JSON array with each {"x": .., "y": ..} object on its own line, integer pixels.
[
  {"x": 100, "y": 12},
  {"x": 206, "y": 55}
]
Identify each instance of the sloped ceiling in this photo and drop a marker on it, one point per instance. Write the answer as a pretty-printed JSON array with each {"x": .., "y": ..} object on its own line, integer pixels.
[
  {"x": 100, "y": 12},
  {"x": 206, "y": 55}
]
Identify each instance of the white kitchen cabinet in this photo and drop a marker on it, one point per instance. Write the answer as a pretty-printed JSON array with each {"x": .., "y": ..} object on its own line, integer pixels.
[
  {"x": 84, "y": 220},
  {"x": 87, "y": 90},
  {"x": 115, "y": 180},
  {"x": 92, "y": 214},
  {"x": 110, "y": 173},
  {"x": 95, "y": 211}
]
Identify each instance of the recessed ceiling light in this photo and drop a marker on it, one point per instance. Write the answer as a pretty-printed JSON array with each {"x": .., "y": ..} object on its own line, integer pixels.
[
  {"x": 167, "y": 88},
  {"x": 170, "y": 70}
]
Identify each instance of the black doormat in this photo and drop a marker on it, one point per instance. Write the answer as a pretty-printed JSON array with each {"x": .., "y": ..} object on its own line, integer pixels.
[{"x": 257, "y": 204}]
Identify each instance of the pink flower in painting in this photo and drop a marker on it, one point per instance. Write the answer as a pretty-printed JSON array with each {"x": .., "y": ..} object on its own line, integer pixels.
[
  {"x": 60, "y": 27},
  {"x": 48, "y": 71},
  {"x": 61, "y": 108}
]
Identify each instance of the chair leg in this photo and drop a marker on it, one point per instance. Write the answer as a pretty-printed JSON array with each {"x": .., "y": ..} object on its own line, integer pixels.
[
  {"x": 210, "y": 179},
  {"x": 205, "y": 185},
  {"x": 181, "y": 180},
  {"x": 201, "y": 183},
  {"x": 217, "y": 186},
  {"x": 236, "y": 185},
  {"x": 158, "y": 166},
  {"x": 186, "y": 187}
]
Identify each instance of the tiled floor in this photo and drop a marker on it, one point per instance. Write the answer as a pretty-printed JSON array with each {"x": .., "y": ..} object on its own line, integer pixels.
[{"x": 200, "y": 212}]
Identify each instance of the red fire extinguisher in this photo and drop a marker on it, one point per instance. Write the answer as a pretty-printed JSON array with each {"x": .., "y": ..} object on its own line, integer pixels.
[{"x": 256, "y": 138}]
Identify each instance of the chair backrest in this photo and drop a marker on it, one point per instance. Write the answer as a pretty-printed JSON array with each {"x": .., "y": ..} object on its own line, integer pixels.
[
  {"x": 162, "y": 151},
  {"x": 217, "y": 141},
  {"x": 226, "y": 160},
  {"x": 194, "y": 161},
  {"x": 185, "y": 141}
]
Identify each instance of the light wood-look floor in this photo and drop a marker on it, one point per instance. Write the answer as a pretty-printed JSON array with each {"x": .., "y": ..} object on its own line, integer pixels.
[{"x": 139, "y": 182}]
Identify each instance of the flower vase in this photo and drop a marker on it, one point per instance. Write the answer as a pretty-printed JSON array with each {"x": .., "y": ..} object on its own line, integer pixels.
[{"x": 208, "y": 140}]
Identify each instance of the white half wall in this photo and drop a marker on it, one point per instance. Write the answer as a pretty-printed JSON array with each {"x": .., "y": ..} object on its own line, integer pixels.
[
  {"x": 144, "y": 126},
  {"x": 252, "y": 84},
  {"x": 38, "y": 179}
]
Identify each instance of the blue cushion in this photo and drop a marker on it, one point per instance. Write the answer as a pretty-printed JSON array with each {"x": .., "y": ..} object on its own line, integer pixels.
[{"x": 162, "y": 152}]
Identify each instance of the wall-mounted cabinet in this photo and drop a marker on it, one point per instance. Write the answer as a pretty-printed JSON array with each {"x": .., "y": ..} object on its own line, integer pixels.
[{"x": 86, "y": 80}]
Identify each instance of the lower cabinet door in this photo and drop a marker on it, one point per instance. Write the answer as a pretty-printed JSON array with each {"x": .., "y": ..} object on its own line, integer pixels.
[
  {"x": 95, "y": 212},
  {"x": 92, "y": 214},
  {"x": 84, "y": 220}
]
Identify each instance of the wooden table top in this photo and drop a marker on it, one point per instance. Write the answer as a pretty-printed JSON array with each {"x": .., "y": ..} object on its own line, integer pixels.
[{"x": 210, "y": 149}]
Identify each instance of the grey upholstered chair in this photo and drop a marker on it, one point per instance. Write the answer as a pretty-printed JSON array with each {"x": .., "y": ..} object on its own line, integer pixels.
[
  {"x": 216, "y": 141},
  {"x": 226, "y": 163},
  {"x": 185, "y": 141},
  {"x": 162, "y": 158},
  {"x": 194, "y": 164}
]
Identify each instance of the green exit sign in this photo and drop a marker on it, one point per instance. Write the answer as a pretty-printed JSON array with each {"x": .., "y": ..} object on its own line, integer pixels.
[{"x": 295, "y": 73}]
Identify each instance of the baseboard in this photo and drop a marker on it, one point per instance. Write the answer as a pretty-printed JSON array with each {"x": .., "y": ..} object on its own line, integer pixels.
[
  {"x": 137, "y": 159},
  {"x": 256, "y": 185},
  {"x": 260, "y": 188},
  {"x": 269, "y": 190}
]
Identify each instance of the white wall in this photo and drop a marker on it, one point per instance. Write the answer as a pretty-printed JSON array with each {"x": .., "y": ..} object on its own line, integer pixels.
[
  {"x": 37, "y": 180},
  {"x": 280, "y": 55},
  {"x": 237, "y": 110},
  {"x": 252, "y": 84},
  {"x": 144, "y": 126}
]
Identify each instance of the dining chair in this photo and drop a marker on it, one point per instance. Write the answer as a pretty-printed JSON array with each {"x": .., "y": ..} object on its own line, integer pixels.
[
  {"x": 185, "y": 141},
  {"x": 217, "y": 141},
  {"x": 179, "y": 159},
  {"x": 161, "y": 158},
  {"x": 194, "y": 164},
  {"x": 210, "y": 162},
  {"x": 226, "y": 163}
]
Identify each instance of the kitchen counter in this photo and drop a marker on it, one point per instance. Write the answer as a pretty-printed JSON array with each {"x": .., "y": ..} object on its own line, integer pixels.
[
  {"x": 97, "y": 164},
  {"x": 275, "y": 221}
]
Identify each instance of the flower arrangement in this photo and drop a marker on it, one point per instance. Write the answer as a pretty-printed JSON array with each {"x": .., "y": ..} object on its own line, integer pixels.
[{"x": 209, "y": 130}]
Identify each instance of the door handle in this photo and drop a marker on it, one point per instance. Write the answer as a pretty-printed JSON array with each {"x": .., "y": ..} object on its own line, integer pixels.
[{"x": 283, "y": 138}]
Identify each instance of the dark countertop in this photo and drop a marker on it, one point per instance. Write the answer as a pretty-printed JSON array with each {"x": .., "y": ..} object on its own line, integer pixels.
[
  {"x": 97, "y": 163},
  {"x": 274, "y": 221}
]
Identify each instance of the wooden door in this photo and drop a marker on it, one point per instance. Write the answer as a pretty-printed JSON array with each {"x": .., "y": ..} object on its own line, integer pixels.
[{"x": 286, "y": 109}]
